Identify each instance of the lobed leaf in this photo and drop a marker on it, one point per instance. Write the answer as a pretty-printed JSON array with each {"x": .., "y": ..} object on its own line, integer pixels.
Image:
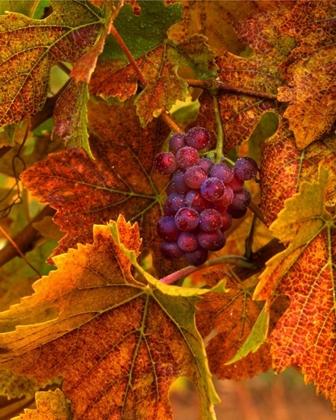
[
  {"x": 118, "y": 343},
  {"x": 310, "y": 71},
  {"x": 305, "y": 335}
]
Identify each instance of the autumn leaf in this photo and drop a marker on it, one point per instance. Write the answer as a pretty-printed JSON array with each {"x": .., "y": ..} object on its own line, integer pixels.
[
  {"x": 310, "y": 71},
  {"x": 19, "y": 6},
  {"x": 305, "y": 335},
  {"x": 284, "y": 167},
  {"x": 225, "y": 320},
  {"x": 159, "y": 67},
  {"x": 86, "y": 192},
  {"x": 65, "y": 35},
  {"x": 118, "y": 343},
  {"x": 51, "y": 405}
]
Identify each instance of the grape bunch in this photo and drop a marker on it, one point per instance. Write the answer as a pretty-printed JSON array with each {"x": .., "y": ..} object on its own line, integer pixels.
[{"x": 203, "y": 197}]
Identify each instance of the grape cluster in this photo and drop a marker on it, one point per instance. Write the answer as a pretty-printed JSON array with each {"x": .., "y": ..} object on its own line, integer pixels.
[{"x": 203, "y": 197}]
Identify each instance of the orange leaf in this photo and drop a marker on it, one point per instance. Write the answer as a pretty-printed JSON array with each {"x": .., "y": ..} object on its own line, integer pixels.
[
  {"x": 31, "y": 47},
  {"x": 119, "y": 344},
  {"x": 310, "y": 71},
  {"x": 305, "y": 272}
]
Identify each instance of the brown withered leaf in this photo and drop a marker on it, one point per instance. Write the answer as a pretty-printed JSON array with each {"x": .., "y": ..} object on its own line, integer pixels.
[
  {"x": 120, "y": 180},
  {"x": 225, "y": 320},
  {"x": 31, "y": 47},
  {"x": 215, "y": 20},
  {"x": 284, "y": 167},
  {"x": 118, "y": 344},
  {"x": 305, "y": 272},
  {"x": 51, "y": 405},
  {"x": 310, "y": 71},
  {"x": 159, "y": 67}
]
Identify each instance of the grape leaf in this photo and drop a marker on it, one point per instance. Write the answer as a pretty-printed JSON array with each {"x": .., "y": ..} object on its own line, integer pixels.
[
  {"x": 215, "y": 20},
  {"x": 284, "y": 167},
  {"x": 31, "y": 47},
  {"x": 159, "y": 67},
  {"x": 305, "y": 272},
  {"x": 51, "y": 405},
  {"x": 26, "y": 7},
  {"x": 310, "y": 71},
  {"x": 85, "y": 192},
  {"x": 225, "y": 321},
  {"x": 118, "y": 343}
]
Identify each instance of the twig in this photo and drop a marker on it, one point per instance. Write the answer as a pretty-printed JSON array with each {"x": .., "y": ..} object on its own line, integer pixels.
[
  {"x": 219, "y": 126},
  {"x": 226, "y": 259},
  {"x": 256, "y": 210},
  {"x": 128, "y": 54},
  {"x": 169, "y": 121},
  {"x": 23, "y": 239},
  {"x": 217, "y": 84}
]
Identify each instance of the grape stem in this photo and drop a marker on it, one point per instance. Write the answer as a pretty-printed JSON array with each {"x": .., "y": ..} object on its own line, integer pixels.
[
  {"x": 220, "y": 131},
  {"x": 217, "y": 84},
  {"x": 170, "y": 122},
  {"x": 237, "y": 260}
]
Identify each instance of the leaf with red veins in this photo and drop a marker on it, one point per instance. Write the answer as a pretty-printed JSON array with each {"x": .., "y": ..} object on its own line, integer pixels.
[
  {"x": 29, "y": 49},
  {"x": 119, "y": 344},
  {"x": 121, "y": 179},
  {"x": 225, "y": 321},
  {"x": 284, "y": 167},
  {"x": 239, "y": 116},
  {"x": 305, "y": 272},
  {"x": 159, "y": 67},
  {"x": 310, "y": 71}
]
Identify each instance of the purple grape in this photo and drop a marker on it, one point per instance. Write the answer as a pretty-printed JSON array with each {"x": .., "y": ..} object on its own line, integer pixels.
[
  {"x": 227, "y": 221},
  {"x": 187, "y": 219},
  {"x": 210, "y": 220},
  {"x": 235, "y": 184},
  {"x": 171, "y": 250},
  {"x": 186, "y": 157},
  {"x": 236, "y": 213},
  {"x": 245, "y": 168},
  {"x": 195, "y": 199},
  {"x": 173, "y": 203},
  {"x": 167, "y": 229},
  {"x": 176, "y": 142},
  {"x": 195, "y": 176},
  {"x": 177, "y": 181},
  {"x": 187, "y": 241},
  {"x": 212, "y": 241},
  {"x": 212, "y": 189},
  {"x": 222, "y": 171},
  {"x": 241, "y": 199},
  {"x": 170, "y": 189},
  {"x": 226, "y": 200},
  {"x": 198, "y": 138},
  {"x": 165, "y": 163},
  {"x": 205, "y": 164},
  {"x": 197, "y": 257}
]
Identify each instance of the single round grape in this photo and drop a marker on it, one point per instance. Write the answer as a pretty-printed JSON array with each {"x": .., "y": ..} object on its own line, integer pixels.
[
  {"x": 195, "y": 176},
  {"x": 236, "y": 184},
  {"x": 187, "y": 219},
  {"x": 211, "y": 241},
  {"x": 165, "y": 163},
  {"x": 187, "y": 241},
  {"x": 186, "y": 157},
  {"x": 210, "y": 220},
  {"x": 235, "y": 212},
  {"x": 167, "y": 229},
  {"x": 212, "y": 189},
  {"x": 197, "y": 257},
  {"x": 226, "y": 200},
  {"x": 171, "y": 250},
  {"x": 206, "y": 164},
  {"x": 177, "y": 181},
  {"x": 173, "y": 203},
  {"x": 195, "y": 199},
  {"x": 222, "y": 171},
  {"x": 227, "y": 221},
  {"x": 170, "y": 189},
  {"x": 176, "y": 142},
  {"x": 198, "y": 138},
  {"x": 245, "y": 168},
  {"x": 241, "y": 199}
]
